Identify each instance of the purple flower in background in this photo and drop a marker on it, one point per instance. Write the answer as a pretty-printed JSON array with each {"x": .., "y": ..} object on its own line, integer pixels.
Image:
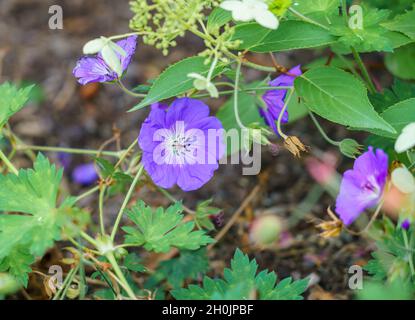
[
  {"x": 94, "y": 69},
  {"x": 274, "y": 99},
  {"x": 85, "y": 174},
  {"x": 181, "y": 144},
  {"x": 362, "y": 187},
  {"x": 406, "y": 224}
]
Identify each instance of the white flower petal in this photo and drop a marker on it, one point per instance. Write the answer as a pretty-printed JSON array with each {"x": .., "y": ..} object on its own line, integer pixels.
[
  {"x": 406, "y": 140},
  {"x": 111, "y": 59},
  {"x": 257, "y": 4},
  {"x": 231, "y": 5},
  {"x": 213, "y": 91},
  {"x": 403, "y": 179},
  {"x": 244, "y": 14},
  {"x": 200, "y": 84},
  {"x": 196, "y": 76},
  {"x": 94, "y": 46},
  {"x": 266, "y": 19}
]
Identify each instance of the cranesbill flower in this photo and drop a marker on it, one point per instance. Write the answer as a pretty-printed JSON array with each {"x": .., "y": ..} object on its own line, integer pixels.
[
  {"x": 249, "y": 10},
  {"x": 275, "y": 99},
  {"x": 362, "y": 187},
  {"x": 181, "y": 144},
  {"x": 85, "y": 174},
  {"x": 406, "y": 224},
  {"x": 94, "y": 69}
]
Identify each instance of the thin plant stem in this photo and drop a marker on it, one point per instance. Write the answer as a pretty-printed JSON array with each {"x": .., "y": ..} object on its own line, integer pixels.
[
  {"x": 321, "y": 130},
  {"x": 125, "y": 203},
  {"x": 87, "y": 193},
  {"x": 115, "y": 154},
  {"x": 287, "y": 102},
  {"x": 363, "y": 68},
  {"x": 101, "y": 208},
  {"x": 120, "y": 275},
  {"x": 7, "y": 162},
  {"x": 236, "y": 94},
  {"x": 129, "y": 92}
]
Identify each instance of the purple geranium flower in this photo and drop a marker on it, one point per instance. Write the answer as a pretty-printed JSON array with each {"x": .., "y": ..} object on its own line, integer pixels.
[
  {"x": 94, "y": 69},
  {"x": 181, "y": 144},
  {"x": 274, "y": 99},
  {"x": 85, "y": 174},
  {"x": 362, "y": 187},
  {"x": 406, "y": 224}
]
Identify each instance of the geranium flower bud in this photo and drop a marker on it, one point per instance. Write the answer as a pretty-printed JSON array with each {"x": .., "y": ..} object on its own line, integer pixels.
[
  {"x": 265, "y": 230},
  {"x": 350, "y": 148}
]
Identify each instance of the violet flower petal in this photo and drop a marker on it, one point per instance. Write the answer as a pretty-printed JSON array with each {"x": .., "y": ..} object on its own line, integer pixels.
[{"x": 362, "y": 187}]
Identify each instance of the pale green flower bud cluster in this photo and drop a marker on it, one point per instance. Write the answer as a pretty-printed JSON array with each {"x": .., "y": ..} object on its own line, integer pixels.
[{"x": 162, "y": 21}]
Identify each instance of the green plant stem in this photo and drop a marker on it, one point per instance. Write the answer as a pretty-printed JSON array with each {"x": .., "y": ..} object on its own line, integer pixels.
[
  {"x": 321, "y": 130},
  {"x": 60, "y": 294},
  {"x": 363, "y": 68},
  {"x": 129, "y": 92},
  {"x": 7, "y": 162},
  {"x": 247, "y": 90},
  {"x": 87, "y": 193},
  {"x": 411, "y": 262},
  {"x": 120, "y": 275},
  {"x": 306, "y": 19},
  {"x": 115, "y": 154},
  {"x": 88, "y": 238},
  {"x": 287, "y": 102},
  {"x": 344, "y": 9},
  {"x": 101, "y": 208},
  {"x": 126, "y": 200},
  {"x": 252, "y": 65},
  {"x": 236, "y": 95}
]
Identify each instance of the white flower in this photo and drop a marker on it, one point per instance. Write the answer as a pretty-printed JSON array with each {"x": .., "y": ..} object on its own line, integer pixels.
[
  {"x": 203, "y": 83},
  {"x": 248, "y": 10},
  {"x": 403, "y": 179},
  {"x": 406, "y": 140}
]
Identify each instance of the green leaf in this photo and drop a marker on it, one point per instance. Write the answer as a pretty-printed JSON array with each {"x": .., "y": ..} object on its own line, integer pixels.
[
  {"x": 306, "y": 7},
  {"x": 404, "y": 23},
  {"x": 241, "y": 283},
  {"x": 134, "y": 263},
  {"x": 17, "y": 263},
  {"x": 188, "y": 266},
  {"x": 339, "y": 97},
  {"x": 290, "y": 35},
  {"x": 12, "y": 100},
  {"x": 401, "y": 63},
  {"x": 399, "y": 91},
  {"x": 174, "y": 80},
  {"x": 397, "y": 290},
  {"x": 162, "y": 229},
  {"x": 203, "y": 215},
  {"x": 218, "y": 18},
  {"x": 400, "y": 114},
  {"x": 106, "y": 168},
  {"x": 372, "y": 37},
  {"x": 32, "y": 192}
]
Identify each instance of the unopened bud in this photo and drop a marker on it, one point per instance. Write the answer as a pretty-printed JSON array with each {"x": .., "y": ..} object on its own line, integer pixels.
[{"x": 350, "y": 148}]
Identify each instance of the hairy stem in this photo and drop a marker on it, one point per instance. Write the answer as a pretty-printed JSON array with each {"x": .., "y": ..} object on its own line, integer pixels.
[
  {"x": 126, "y": 200},
  {"x": 7, "y": 162}
]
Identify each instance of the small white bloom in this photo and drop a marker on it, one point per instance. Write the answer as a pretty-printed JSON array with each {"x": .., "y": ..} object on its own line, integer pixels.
[
  {"x": 202, "y": 83},
  {"x": 249, "y": 10},
  {"x": 406, "y": 140},
  {"x": 403, "y": 179}
]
